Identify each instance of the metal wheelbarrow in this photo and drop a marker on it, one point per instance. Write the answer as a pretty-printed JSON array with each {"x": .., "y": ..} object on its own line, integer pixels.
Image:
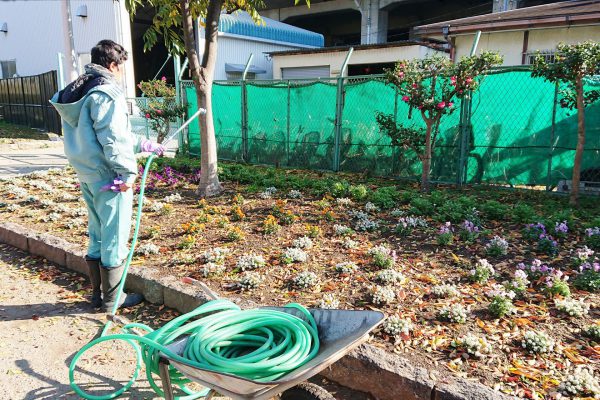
[{"x": 340, "y": 331}]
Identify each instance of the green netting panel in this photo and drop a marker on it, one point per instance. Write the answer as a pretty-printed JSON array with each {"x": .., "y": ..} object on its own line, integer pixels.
[
  {"x": 363, "y": 147},
  {"x": 226, "y": 102},
  {"x": 565, "y": 143},
  {"x": 268, "y": 124},
  {"x": 312, "y": 120},
  {"x": 512, "y": 125}
]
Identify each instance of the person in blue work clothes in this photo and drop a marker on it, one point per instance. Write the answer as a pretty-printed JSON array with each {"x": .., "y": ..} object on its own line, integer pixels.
[{"x": 100, "y": 147}]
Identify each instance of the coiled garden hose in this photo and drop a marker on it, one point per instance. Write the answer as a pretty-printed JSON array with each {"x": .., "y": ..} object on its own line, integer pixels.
[{"x": 259, "y": 344}]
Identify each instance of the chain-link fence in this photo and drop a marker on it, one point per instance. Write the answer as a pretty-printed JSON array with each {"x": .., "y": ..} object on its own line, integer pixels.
[{"x": 512, "y": 132}]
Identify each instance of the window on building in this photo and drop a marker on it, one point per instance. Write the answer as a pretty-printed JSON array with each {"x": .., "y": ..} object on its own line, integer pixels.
[
  {"x": 237, "y": 76},
  {"x": 9, "y": 68},
  {"x": 547, "y": 54}
]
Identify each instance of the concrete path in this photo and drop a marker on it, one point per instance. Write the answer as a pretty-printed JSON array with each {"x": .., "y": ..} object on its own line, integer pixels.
[{"x": 23, "y": 161}]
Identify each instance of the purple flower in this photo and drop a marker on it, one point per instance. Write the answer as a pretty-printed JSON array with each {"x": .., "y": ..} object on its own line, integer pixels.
[
  {"x": 445, "y": 229},
  {"x": 561, "y": 227}
]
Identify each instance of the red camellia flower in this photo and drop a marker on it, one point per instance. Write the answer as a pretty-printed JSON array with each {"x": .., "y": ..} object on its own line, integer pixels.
[
  {"x": 164, "y": 79},
  {"x": 405, "y": 98},
  {"x": 441, "y": 104},
  {"x": 159, "y": 112},
  {"x": 450, "y": 104},
  {"x": 147, "y": 115}
]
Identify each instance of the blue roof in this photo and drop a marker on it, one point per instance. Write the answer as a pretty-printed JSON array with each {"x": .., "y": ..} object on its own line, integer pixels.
[{"x": 240, "y": 23}]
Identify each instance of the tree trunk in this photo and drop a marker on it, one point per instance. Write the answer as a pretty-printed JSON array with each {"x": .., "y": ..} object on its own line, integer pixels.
[
  {"x": 426, "y": 159},
  {"x": 580, "y": 141},
  {"x": 203, "y": 78}
]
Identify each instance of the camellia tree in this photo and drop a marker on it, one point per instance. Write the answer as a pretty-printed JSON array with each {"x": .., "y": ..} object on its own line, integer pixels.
[
  {"x": 161, "y": 107},
  {"x": 430, "y": 86},
  {"x": 572, "y": 64},
  {"x": 174, "y": 21}
]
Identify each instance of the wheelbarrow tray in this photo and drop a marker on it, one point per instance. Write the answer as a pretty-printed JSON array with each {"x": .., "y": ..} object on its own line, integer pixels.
[{"x": 340, "y": 331}]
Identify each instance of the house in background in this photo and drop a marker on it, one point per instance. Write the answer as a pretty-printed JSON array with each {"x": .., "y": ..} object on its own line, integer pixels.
[
  {"x": 519, "y": 34},
  {"x": 365, "y": 60},
  {"x": 34, "y": 33},
  {"x": 239, "y": 36}
]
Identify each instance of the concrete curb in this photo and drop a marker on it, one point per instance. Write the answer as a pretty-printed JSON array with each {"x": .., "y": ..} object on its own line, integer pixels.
[{"x": 369, "y": 369}]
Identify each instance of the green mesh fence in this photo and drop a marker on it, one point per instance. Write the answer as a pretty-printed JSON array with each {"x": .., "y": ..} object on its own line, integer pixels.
[{"x": 515, "y": 134}]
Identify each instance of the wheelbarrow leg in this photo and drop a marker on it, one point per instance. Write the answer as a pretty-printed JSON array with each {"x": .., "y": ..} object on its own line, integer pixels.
[{"x": 163, "y": 370}]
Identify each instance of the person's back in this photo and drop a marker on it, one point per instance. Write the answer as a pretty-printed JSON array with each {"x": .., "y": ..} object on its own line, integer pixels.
[{"x": 101, "y": 149}]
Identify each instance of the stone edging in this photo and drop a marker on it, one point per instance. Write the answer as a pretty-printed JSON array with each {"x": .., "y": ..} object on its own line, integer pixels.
[
  {"x": 368, "y": 368},
  {"x": 31, "y": 145}
]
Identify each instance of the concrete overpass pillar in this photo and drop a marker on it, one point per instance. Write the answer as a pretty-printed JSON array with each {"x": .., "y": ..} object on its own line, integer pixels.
[{"x": 374, "y": 22}]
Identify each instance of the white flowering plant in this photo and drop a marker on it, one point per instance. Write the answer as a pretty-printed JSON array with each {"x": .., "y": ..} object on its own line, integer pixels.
[
  {"x": 572, "y": 307},
  {"x": 342, "y": 230},
  {"x": 473, "y": 345},
  {"x": 294, "y": 255},
  {"x": 381, "y": 295},
  {"x": 482, "y": 272},
  {"x": 497, "y": 246},
  {"x": 329, "y": 301},
  {"x": 216, "y": 255},
  {"x": 249, "y": 281},
  {"x": 445, "y": 291},
  {"x": 396, "y": 326},
  {"x": 537, "y": 342},
  {"x": 147, "y": 249},
  {"x": 306, "y": 280},
  {"x": 581, "y": 383},
  {"x": 211, "y": 269},
  {"x": 382, "y": 256},
  {"x": 389, "y": 277},
  {"x": 250, "y": 262},
  {"x": 346, "y": 267},
  {"x": 455, "y": 313},
  {"x": 303, "y": 242}
]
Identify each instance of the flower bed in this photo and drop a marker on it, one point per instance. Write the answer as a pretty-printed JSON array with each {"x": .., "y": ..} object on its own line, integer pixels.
[{"x": 462, "y": 274}]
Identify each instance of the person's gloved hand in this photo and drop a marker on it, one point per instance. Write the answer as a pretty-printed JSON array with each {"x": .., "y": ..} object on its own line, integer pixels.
[{"x": 152, "y": 147}]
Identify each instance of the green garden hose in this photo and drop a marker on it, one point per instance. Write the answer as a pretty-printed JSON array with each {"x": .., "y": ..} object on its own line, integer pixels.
[{"x": 259, "y": 344}]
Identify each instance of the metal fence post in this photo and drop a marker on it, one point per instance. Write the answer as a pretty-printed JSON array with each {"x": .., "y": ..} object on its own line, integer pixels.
[
  {"x": 245, "y": 111},
  {"x": 339, "y": 111},
  {"x": 464, "y": 131},
  {"x": 289, "y": 116},
  {"x": 24, "y": 102},
  {"x": 551, "y": 147}
]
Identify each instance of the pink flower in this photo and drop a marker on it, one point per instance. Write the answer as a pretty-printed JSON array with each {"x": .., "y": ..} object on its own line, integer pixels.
[
  {"x": 420, "y": 107},
  {"x": 414, "y": 85},
  {"x": 460, "y": 92},
  {"x": 453, "y": 79},
  {"x": 441, "y": 105},
  {"x": 147, "y": 115},
  {"x": 450, "y": 104},
  {"x": 164, "y": 79},
  {"x": 400, "y": 74},
  {"x": 405, "y": 98},
  {"x": 469, "y": 81},
  {"x": 159, "y": 112}
]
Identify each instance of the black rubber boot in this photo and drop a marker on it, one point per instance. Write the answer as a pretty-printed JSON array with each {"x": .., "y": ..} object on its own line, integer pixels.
[
  {"x": 110, "y": 283},
  {"x": 94, "y": 274}
]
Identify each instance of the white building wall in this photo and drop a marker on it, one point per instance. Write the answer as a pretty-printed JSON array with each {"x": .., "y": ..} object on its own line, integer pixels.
[
  {"x": 510, "y": 44},
  {"x": 235, "y": 49},
  {"x": 335, "y": 59},
  {"x": 36, "y": 33}
]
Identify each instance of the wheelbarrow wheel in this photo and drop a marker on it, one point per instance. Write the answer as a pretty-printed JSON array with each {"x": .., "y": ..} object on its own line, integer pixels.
[{"x": 307, "y": 391}]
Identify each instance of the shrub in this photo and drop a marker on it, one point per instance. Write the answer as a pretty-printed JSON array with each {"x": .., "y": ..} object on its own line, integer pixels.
[
  {"x": 588, "y": 280},
  {"x": 358, "y": 192},
  {"x": 494, "y": 210},
  {"x": 421, "y": 206},
  {"x": 523, "y": 213},
  {"x": 385, "y": 197}
]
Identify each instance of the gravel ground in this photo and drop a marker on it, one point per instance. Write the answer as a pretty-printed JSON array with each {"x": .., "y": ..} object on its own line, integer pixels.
[{"x": 45, "y": 319}]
